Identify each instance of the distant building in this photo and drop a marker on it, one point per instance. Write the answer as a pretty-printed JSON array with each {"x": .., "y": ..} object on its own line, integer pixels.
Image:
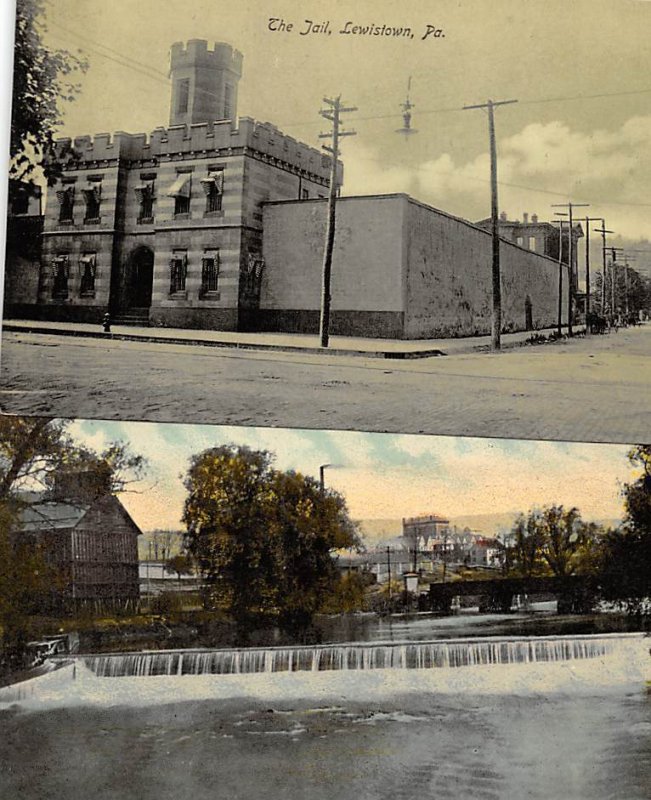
[
  {"x": 485, "y": 552},
  {"x": 538, "y": 236},
  {"x": 93, "y": 544},
  {"x": 424, "y": 530}
]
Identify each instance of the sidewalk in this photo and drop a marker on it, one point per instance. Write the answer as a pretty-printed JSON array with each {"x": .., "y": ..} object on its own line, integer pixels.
[{"x": 284, "y": 342}]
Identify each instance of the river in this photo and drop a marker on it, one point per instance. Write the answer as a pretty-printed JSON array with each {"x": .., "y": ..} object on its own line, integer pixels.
[{"x": 564, "y": 718}]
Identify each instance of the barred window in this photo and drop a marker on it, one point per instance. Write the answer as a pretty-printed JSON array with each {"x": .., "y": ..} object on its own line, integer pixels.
[
  {"x": 92, "y": 196},
  {"x": 146, "y": 196},
  {"x": 210, "y": 272},
  {"x": 178, "y": 271},
  {"x": 60, "y": 275},
  {"x": 87, "y": 272},
  {"x": 66, "y": 198},
  {"x": 181, "y": 205},
  {"x": 181, "y": 191},
  {"x": 213, "y": 187}
]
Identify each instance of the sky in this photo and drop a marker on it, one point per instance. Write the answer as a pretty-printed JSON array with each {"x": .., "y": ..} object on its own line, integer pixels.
[
  {"x": 382, "y": 476},
  {"x": 580, "y": 72}
]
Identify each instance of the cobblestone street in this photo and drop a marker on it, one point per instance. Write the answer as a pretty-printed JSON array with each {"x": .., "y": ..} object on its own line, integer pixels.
[{"x": 595, "y": 389}]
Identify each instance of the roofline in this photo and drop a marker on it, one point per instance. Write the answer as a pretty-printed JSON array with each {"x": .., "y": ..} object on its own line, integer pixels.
[{"x": 413, "y": 201}]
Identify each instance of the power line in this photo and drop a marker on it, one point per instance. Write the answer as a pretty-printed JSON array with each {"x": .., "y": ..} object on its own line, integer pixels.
[{"x": 162, "y": 77}]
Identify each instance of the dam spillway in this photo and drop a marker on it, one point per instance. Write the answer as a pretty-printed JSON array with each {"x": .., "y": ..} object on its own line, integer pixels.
[{"x": 353, "y": 656}]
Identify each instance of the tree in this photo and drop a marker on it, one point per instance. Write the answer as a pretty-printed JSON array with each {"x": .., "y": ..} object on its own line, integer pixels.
[
  {"x": 36, "y": 452},
  {"x": 43, "y": 81},
  {"x": 626, "y": 559},
  {"x": 25, "y": 581},
  {"x": 262, "y": 538},
  {"x": 180, "y": 564},
  {"x": 552, "y": 541},
  {"x": 307, "y": 524}
]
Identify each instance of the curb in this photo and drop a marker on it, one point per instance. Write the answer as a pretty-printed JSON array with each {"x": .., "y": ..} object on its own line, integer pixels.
[{"x": 128, "y": 337}]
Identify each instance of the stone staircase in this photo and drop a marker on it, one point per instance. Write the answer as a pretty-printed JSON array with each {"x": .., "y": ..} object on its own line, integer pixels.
[{"x": 137, "y": 317}]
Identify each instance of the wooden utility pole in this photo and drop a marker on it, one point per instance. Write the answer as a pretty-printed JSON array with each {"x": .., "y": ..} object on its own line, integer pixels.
[
  {"x": 496, "y": 321},
  {"x": 560, "y": 277},
  {"x": 334, "y": 135},
  {"x": 389, "y": 569},
  {"x": 588, "y": 298},
  {"x": 603, "y": 231},
  {"x": 570, "y": 258}
]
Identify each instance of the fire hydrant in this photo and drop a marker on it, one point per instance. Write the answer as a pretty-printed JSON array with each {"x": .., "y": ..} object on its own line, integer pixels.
[{"x": 106, "y": 322}]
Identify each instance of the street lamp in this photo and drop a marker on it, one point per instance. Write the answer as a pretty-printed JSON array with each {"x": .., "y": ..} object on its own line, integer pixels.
[{"x": 322, "y": 470}]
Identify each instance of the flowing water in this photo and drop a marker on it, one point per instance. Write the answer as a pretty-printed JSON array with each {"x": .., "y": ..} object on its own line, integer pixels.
[{"x": 552, "y": 718}]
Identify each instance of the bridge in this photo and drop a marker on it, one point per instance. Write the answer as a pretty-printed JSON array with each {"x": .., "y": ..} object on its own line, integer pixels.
[{"x": 576, "y": 594}]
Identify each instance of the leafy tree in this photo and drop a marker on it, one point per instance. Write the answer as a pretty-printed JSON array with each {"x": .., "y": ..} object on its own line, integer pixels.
[
  {"x": 306, "y": 525},
  {"x": 180, "y": 564},
  {"x": 43, "y": 81},
  {"x": 262, "y": 538},
  {"x": 25, "y": 581},
  {"x": 626, "y": 560},
  {"x": 552, "y": 541},
  {"x": 35, "y": 452}
]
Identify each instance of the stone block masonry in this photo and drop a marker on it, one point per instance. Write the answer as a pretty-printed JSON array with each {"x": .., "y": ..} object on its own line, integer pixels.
[{"x": 401, "y": 269}]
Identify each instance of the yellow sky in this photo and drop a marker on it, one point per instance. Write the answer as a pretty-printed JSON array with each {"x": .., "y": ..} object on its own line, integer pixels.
[
  {"x": 580, "y": 71},
  {"x": 385, "y": 475}
]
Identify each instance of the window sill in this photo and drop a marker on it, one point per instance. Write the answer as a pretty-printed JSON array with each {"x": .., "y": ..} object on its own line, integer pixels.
[
  {"x": 212, "y": 295},
  {"x": 213, "y": 214},
  {"x": 181, "y": 295},
  {"x": 92, "y": 221},
  {"x": 145, "y": 221},
  {"x": 182, "y": 216},
  {"x": 87, "y": 294},
  {"x": 66, "y": 222}
]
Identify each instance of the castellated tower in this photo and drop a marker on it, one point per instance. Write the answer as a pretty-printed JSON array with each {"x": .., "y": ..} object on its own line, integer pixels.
[{"x": 204, "y": 82}]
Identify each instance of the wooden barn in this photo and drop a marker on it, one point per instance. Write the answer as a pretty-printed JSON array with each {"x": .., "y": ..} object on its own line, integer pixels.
[{"x": 93, "y": 544}]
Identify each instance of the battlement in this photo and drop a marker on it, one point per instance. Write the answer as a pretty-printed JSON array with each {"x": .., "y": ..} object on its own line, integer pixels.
[
  {"x": 197, "y": 54},
  {"x": 194, "y": 140}
]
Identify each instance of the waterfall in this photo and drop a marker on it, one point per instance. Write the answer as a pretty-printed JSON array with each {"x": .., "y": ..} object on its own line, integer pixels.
[{"x": 353, "y": 656}]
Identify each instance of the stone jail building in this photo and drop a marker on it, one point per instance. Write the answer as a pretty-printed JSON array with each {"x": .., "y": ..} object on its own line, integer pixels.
[
  {"x": 167, "y": 229},
  {"x": 218, "y": 222}
]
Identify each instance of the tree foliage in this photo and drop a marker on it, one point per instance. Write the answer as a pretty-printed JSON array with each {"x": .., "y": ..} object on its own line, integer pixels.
[
  {"x": 35, "y": 452},
  {"x": 263, "y": 538},
  {"x": 551, "y": 541},
  {"x": 180, "y": 564},
  {"x": 44, "y": 79},
  {"x": 626, "y": 559}
]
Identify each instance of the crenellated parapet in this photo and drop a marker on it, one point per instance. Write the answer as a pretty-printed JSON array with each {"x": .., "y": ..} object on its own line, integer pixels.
[
  {"x": 262, "y": 140},
  {"x": 196, "y": 53}
]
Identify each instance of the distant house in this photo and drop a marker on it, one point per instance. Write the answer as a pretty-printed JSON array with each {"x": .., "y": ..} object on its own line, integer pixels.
[
  {"x": 485, "y": 552},
  {"x": 93, "y": 544}
]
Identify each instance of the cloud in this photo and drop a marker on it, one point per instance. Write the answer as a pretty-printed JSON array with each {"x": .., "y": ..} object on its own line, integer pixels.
[
  {"x": 382, "y": 475},
  {"x": 544, "y": 163}
]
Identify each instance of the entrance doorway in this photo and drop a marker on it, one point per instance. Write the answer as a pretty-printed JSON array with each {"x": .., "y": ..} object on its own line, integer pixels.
[
  {"x": 140, "y": 278},
  {"x": 528, "y": 314}
]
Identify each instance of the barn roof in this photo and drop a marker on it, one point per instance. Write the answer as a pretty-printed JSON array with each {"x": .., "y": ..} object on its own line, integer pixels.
[{"x": 52, "y": 515}]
